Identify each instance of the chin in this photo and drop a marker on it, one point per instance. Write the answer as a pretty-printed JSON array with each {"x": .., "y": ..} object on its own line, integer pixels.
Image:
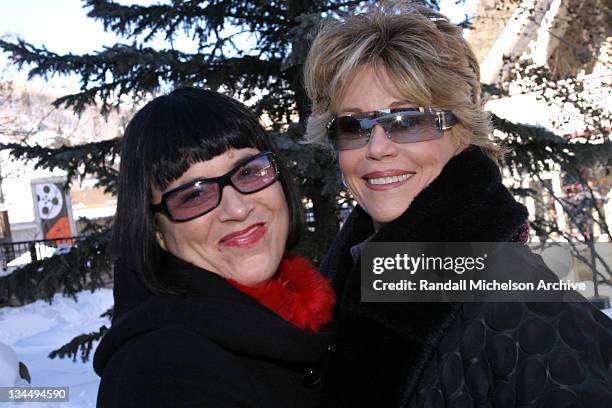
[
  {"x": 385, "y": 215},
  {"x": 257, "y": 271}
]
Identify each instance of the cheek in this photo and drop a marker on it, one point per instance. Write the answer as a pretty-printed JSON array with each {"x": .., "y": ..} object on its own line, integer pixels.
[
  {"x": 271, "y": 204},
  {"x": 433, "y": 154},
  {"x": 348, "y": 161},
  {"x": 345, "y": 158},
  {"x": 448, "y": 147},
  {"x": 178, "y": 237}
]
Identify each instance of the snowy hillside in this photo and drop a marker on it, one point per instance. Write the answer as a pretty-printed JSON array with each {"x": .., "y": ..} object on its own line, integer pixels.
[{"x": 34, "y": 330}]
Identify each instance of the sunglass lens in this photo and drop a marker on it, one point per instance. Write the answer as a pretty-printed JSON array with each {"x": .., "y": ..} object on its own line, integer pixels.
[
  {"x": 347, "y": 133},
  {"x": 193, "y": 201},
  {"x": 255, "y": 175},
  {"x": 414, "y": 127}
]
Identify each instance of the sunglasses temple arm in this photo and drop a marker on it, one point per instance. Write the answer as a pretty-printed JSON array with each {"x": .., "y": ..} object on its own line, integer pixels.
[{"x": 445, "y": 120}]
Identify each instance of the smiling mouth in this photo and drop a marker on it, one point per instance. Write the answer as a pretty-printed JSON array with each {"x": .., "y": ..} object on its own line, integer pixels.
[
  {"x": 389, "y": 180},
  {"x": 245, "y": 237}
]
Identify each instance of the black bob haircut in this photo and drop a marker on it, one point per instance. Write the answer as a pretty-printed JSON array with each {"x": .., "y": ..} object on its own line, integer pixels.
[{"x": 160, "y": 143}]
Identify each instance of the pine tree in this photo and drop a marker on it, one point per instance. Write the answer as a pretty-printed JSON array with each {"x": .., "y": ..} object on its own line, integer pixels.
[{"x": 268, "y": 72}]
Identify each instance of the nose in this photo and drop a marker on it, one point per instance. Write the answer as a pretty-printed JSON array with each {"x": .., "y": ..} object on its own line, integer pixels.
[
  {"x": 234, "y": 206},
  {"x": 380, "y": 146}
]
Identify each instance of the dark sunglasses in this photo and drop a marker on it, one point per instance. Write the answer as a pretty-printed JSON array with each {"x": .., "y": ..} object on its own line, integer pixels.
[
  {"x": 404, "y": 125},
  {"x": 199, "y": 197}
]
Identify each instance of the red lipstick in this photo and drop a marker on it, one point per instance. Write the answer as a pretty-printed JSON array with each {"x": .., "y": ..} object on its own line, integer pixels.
[{"x": 244, "y": 237}]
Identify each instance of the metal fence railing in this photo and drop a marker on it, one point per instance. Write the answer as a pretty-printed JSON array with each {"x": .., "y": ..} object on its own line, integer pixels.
[{"x": 15, "y": 254}]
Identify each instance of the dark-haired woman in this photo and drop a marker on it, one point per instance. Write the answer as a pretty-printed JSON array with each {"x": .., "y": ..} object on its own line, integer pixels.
[
  {"x": 210, "y": 308},
  {"x": 395, "y": 89}
]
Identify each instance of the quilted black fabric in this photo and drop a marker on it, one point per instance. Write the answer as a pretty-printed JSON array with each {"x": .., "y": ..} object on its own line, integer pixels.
[
  {"x": 521, "y": 355},
  {"x": 443, "y": 355}
]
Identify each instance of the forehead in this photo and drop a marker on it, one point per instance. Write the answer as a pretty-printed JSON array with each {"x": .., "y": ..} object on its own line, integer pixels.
[{"x": 369, "y": 89}]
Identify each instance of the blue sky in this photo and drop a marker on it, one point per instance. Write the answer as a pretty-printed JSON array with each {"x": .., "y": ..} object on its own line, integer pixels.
[{"x": 63, "y": 26}]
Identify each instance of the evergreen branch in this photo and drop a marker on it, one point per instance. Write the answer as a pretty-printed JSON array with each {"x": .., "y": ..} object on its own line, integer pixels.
[
  {"x": 493, "y": 90},
  {"x": 85, "y": 267},
  {"x": 335, "y": 6},
  {"x": 132, "y": 20},
  {"x": 82, "y": 343},
  {"x": 115, "y": 71},
  {"x": 95, "y": 158},
  {"x": 108, "y": 314},
  {"x": 534, "y": 149},
  {"x": 129, "y": 70},
  {"x": 314, "y": 166},
  {"x": 202, "y": 18}
]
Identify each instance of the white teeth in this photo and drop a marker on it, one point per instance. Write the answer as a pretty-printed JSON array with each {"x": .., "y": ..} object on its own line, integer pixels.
[{"x": 387, "y": 180}]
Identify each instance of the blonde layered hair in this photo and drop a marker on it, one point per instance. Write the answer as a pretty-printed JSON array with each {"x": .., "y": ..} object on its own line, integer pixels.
[{"x": 424, "y": 55}]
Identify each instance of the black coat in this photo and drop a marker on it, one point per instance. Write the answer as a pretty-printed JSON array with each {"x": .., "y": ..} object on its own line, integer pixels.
[
  {"x": 452, "y": 354},
  {"x": 215, "y": 347}
]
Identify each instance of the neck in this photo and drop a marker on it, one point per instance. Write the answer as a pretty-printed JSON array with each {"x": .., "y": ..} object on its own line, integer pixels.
[{"x": 297, "y": 293}]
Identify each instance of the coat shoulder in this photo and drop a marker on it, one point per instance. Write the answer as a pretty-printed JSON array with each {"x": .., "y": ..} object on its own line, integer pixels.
[{"x": 174, "y": 366}]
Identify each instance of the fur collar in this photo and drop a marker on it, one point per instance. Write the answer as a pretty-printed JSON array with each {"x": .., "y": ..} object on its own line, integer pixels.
[
  {"x": 297, "y": 293},
  {"x": 466, "y": 202}
]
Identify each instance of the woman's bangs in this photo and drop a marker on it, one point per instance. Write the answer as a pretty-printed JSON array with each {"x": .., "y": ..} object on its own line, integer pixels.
[{"x": 187, "y": 130}]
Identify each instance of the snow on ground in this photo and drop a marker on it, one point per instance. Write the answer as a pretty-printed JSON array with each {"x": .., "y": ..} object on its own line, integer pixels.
[{"x": 36, "y": 329}]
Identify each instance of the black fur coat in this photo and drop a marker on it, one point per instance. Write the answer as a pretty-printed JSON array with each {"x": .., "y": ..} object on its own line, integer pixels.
[{"x": 460, "y": 355}]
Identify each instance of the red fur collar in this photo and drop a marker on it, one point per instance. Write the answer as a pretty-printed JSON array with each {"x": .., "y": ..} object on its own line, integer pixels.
[{"x": 297, "y": 293}]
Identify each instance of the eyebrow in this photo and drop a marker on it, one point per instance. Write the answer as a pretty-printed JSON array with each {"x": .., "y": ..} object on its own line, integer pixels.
[{"x": 392, "y": 105}]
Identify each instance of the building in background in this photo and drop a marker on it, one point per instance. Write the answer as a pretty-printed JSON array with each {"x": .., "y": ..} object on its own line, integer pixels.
[
  {"x": 33, "y": 203},
  {"x": 570, "y": 40}
]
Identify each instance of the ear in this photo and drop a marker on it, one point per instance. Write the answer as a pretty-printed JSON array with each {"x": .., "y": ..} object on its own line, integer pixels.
[{"x": 159, "y": 236}]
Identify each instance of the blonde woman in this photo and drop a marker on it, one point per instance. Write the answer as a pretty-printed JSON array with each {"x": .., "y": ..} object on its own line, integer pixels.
[{"x": 395, "y": 91}]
